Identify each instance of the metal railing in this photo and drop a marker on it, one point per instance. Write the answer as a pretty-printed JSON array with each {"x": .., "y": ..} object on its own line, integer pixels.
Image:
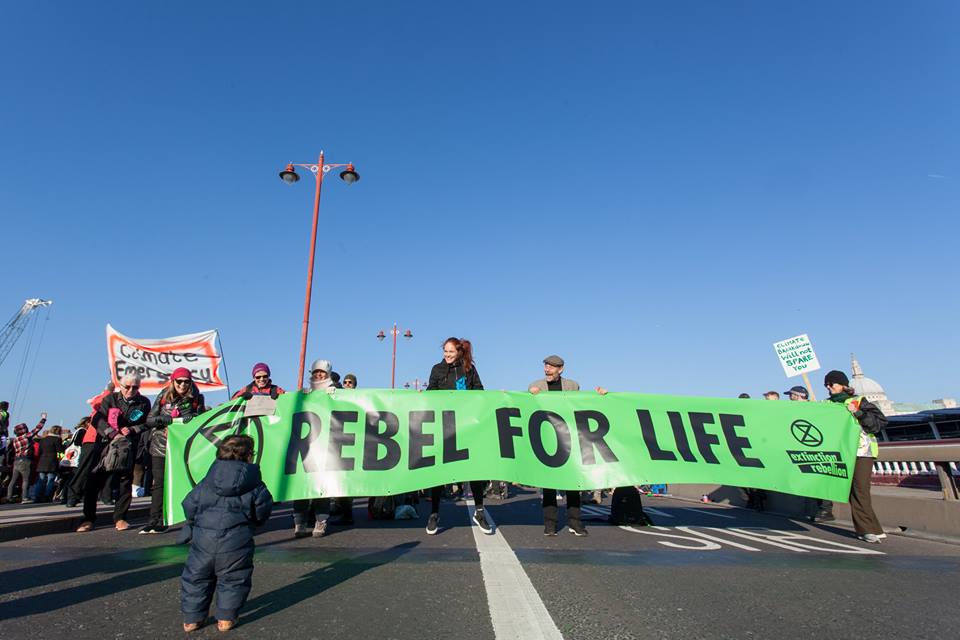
[{"x": 922, "y": 457}]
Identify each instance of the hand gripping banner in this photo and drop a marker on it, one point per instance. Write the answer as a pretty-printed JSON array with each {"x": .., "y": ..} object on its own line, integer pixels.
[
  {"x": 156, "y": 359},
  {"x": 381, "y": 442}
]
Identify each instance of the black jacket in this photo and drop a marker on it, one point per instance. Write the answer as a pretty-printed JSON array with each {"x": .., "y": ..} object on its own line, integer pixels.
[
  {"x": 133, "y": 414},
  {"x": 444, "y": 376},
  {"x": 50, "y": 446},
  {"x": 160, "y": 417},
  {"x": 870, "y": 417}
]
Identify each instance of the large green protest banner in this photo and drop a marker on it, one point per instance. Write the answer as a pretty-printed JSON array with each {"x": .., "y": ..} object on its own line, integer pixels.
[{"x": 380, "y": 442}]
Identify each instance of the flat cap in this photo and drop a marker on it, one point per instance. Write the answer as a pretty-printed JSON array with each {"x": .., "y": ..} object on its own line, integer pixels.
[{"x": 556, "y": 361}]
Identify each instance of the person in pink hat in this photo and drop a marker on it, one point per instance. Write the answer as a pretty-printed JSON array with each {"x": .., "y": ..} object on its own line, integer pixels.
[
  {"x": 180, "y": 399},
  {"x": 262, "y": 385}
]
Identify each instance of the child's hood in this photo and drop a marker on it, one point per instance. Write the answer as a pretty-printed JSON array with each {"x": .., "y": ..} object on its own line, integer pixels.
[{"x": 233, "y": 477}]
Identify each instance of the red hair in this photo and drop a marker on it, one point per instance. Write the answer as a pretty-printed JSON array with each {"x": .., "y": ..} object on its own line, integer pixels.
[{"x": 464, "y": 349}]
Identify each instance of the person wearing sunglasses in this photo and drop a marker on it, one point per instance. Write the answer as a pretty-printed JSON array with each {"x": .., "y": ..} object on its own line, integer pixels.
[
  {"x": 180, "y": 399},
  {"x": 121, "y": 414},
  {"x": 262, "y": 385},
  {"x": 310, "y": 515}
]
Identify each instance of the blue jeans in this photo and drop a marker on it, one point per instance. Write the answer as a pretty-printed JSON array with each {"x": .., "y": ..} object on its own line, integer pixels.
[{"x": 46, "y": 483}]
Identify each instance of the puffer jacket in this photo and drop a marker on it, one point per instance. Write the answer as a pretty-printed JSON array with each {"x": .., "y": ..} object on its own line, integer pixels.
[
  {"x": 225, "y": 507},
  {"x": 163, "y": 414}
]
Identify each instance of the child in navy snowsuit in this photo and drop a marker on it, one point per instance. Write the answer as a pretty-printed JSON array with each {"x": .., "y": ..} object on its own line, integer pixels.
[{"x": 222, "y": 512}]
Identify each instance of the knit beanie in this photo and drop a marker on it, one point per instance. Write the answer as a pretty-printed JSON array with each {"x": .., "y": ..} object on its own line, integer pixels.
[
  {"x": 181, "y": 372},
  {"x": 260, "y": 366},
  {"x": 837, "y": 377}
]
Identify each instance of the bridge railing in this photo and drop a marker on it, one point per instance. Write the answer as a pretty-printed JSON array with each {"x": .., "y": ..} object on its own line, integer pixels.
[{"x": 920, "y": 463}]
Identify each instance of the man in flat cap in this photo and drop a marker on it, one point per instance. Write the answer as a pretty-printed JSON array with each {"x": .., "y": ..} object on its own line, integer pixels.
[{"x": 553, "y": 380}]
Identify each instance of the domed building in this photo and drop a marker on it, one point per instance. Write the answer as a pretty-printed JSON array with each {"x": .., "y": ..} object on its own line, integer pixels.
[{"x": 870, "y": 388}]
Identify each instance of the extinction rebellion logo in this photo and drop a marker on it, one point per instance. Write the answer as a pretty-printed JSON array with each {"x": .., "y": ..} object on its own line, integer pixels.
[{"x": 825, "y": 463}]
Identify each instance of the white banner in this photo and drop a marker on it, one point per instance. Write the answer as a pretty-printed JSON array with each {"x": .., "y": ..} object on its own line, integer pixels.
[
  {"x": 796, "y": 355},
  {"x": 156, "y": 359}
]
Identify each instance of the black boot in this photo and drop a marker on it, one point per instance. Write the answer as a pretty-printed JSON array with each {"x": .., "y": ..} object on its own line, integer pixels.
[
  {"x": 573, "y": 522},
  {"x": 549, "y": 521}
]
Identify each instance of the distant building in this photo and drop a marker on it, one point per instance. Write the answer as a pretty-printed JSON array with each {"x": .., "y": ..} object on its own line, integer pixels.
[{"x": 871, "y": 389}]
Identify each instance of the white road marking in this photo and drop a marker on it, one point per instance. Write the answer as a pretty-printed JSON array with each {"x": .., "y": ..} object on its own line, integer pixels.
[
  {"x": 808, "y": 542},
  {"x": 709, "y": 537},
  {"x": 658, "y": 512},
  {"x": 702, "y": 545},
  {"x": 516, "y": 610},
  {"x": 709, "y": 512}
]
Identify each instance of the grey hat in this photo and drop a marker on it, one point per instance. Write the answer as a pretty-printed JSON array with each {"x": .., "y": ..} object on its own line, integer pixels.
[
  {"x": 556, "y": 361},
  {"x": 321, "y": 365}
]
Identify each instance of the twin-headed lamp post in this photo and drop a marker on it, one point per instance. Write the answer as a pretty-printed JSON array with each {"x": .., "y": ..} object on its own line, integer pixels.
[{"x": 289, "y": 175}]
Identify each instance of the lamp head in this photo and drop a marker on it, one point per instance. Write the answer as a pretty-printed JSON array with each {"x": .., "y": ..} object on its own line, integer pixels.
[
  {"x": 349, "y": 175},
  {"x": 381, "y": 335},
  {"x": 288, "y": 175}
]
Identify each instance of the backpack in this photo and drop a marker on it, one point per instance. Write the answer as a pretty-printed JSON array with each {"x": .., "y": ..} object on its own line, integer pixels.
[
  {"x": 118, "y": 457},
  {"x": 626, "y": 507},
  {"x": 382, "y": 508}
]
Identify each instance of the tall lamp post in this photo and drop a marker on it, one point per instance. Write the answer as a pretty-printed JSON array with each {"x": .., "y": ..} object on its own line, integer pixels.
[
  {"x": 289, "y": 175},
  {"x": 393, "y": 366}
]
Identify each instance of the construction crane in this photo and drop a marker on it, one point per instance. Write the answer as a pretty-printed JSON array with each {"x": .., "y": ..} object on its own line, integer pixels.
[{"x": 12, "y": 331}]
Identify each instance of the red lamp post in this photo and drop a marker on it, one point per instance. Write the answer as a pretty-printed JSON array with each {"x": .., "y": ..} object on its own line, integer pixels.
[
  {"x": 289, "y": 175},
  {"x": 393, "y": 366}
]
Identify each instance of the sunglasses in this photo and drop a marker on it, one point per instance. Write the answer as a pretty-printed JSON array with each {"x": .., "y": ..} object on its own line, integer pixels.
[
  {"x": 261, "y": 377},
  {"x": 182, "y": 381},
  {"x": 130, "y": 387}
]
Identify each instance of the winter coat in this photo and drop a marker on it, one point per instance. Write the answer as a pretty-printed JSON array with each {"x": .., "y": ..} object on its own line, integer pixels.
[
  {"x": 444, "y": 376},
  {"x": 133, "y": 415},
  {"x": 225, "y": 507},
  {"x": 162, "y": 415},
  {"x": 566, "y": 384},
  {"x": 253, "y": 390},
  {"x": 51, "y": 446}
]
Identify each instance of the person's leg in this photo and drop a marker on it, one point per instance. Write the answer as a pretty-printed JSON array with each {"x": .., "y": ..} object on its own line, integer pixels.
[
  {"x": 197, "y": 583},
  {"x": 861, "y": 507},
  {"x": 156, "y": 492},
  {"x": 47, "y": 482},
  {"x": 16, "y": 475},
  {"x": 91, "y": 490},
  {"x": 234, "y": 579},
  {"x": 435, "y": 496},
  {"x": 549, "y": 503},
  {"x": 477, "y": 487},
  {"x": 124, "y": 483},
  {"x": 573, "y": 513}
]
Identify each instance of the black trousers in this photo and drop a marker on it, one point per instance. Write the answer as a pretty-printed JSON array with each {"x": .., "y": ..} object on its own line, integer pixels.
[
  {"x": 550, "y": 498},
  {"x": 477, "y": 487},
  {"x": 95, "y": 484},
  {"x": 156, "y": 493}
]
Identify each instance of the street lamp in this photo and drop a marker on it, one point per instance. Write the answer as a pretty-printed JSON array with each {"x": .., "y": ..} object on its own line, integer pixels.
[
  {"x": 289, "y": 175},
  {"x": 393, "y": 367}
]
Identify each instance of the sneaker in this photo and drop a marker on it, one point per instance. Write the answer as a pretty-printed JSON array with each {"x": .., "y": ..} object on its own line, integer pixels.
[
  {"x": 121, "y": 525},
  {"x": 550, "y": 529},
  {"x": 301, "y": 531},
  {"x": 480, "y": 517},
  {"x": 870, "y": 537},
  {"x": 160, "y": 528},
  {"x": 881, "y": 536},
  {"x": 577, "y": 529},
  {"x": 319, "y": 529},
  {"x": 433, "y": 524},
  {"x": 225, "y": 625},
  {"x": 824, "y": 516},
  {"x": 147, "y": 530}
]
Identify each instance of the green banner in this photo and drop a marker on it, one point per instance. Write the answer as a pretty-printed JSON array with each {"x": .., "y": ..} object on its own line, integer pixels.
[{"x": 380, "y": 442}]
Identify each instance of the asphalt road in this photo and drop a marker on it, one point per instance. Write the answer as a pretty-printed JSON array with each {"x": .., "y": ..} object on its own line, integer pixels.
[{"x": 705, "y": 571}]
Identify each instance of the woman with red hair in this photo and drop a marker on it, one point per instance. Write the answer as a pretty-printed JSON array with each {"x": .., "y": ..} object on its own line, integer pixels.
[{"x": 457, "y": 372}]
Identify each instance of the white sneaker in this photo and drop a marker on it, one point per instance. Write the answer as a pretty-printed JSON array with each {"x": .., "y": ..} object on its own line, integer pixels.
[{"x": 870, "y": 537}]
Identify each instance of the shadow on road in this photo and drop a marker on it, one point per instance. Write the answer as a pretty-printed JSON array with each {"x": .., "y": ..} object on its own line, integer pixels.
[{"x": 319, "y": 581}]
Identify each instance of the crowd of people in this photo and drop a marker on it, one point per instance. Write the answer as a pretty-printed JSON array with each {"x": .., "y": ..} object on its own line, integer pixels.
[{"x": 120, "y": 448}]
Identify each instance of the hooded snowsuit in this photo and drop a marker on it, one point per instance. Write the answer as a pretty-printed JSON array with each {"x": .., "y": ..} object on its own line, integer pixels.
[{"x": 222, "y": 512}]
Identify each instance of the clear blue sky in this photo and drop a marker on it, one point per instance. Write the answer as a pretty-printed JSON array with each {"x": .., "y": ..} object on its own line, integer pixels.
[{"x": 656, "y": 191}]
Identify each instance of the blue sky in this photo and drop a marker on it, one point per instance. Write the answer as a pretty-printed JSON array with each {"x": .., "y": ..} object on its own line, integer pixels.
[{"x": 655, "y": 191}]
